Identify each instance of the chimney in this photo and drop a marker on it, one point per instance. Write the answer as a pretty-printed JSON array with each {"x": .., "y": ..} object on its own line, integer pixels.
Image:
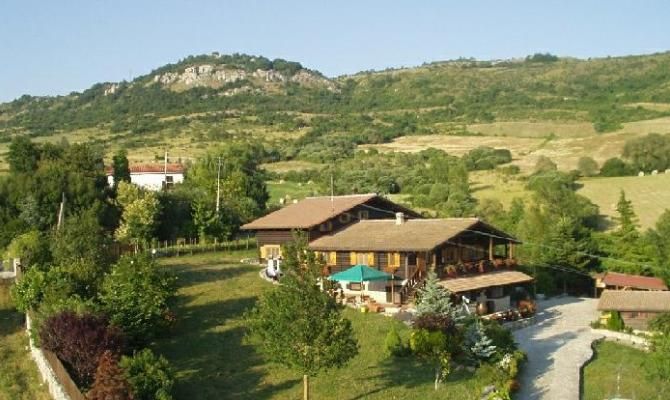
[{"x": 399, "y": 218}]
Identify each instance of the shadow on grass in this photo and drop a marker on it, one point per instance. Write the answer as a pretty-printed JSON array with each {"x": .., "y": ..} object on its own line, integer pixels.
[
  {"x": 11, "y": 321},
  {"x": 189, "y": 276},
  {"x": 208, "y": 350}
]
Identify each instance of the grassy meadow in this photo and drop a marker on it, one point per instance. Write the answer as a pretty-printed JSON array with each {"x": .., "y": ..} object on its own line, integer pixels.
[
  {"x": 19, "y": 379},
  {"x": 650, "y": 195},
  {"x": 214, "y": 360},
  {"x": 612, "y": 360}
]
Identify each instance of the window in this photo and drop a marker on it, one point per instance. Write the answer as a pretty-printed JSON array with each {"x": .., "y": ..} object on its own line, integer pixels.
[
  {"x": 411, "y": 259},
  {"x": 358, "y": 258},
  {"x": 270, "y": 251},
  {"x": 332, "y": 258},
  {"x": 168, "y": 182},
  {"x": 326, "y": 226},
  {"x": 363, "y": 214},
  {"x": 344, "y": 218},
  {"x": 393, "y": 260},
  {"x": 362, "y": 258},
  {"x": 355, "y": 286}
]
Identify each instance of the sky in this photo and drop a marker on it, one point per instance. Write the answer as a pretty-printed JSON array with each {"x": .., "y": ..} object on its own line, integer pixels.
[{"x": 56, "y": 47}]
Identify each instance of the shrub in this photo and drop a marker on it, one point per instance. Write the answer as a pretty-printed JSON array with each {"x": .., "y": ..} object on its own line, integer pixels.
[
  {"x": 616, "y": 167},
  {"x": 435, "y": 322},
  {"x": 661, "y": 323},
  {"x": 501, "y": 338},
  {"x": 587, "y": 166},
  {"x": 110, "y": 383},
  {"x": 79, "y": 341},
  {"x": 135, "y": 296},
  {"x": 393, "y": 344},
  {"x": 615, "y": 323},
  {"x": 150, "y": 376}
]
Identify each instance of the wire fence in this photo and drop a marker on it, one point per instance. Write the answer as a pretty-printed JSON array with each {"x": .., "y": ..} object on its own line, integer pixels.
[{"x": 185, "y": 247}]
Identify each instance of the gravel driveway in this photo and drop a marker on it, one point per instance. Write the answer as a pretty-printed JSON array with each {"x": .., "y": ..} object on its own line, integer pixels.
[{"x": 557, "y": 346}]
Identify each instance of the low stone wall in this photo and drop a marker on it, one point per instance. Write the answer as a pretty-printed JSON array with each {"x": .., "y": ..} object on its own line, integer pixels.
[
  {"x": 626, "y": 338},
  {"x": 61, "y": 386},
  {"x": 521, "y": 323}
]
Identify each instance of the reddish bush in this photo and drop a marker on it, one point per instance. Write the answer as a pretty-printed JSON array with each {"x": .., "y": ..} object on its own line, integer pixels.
[
  {"x": 110, "y": 382},
  {"x": 79, "y": 341},
  {"x": 435, "y": 322}
]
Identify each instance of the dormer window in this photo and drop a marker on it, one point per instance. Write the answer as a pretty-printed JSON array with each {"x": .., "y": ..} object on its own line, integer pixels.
[
  {"x": 326, "y": 227},
  {"x": 344, "y": 218},
  {"x": 363, "y": 214}
]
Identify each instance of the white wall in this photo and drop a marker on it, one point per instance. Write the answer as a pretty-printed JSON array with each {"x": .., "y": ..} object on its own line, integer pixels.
[
  {"x": 151, "y": 181},
  {"x": 375, "y": 289}
]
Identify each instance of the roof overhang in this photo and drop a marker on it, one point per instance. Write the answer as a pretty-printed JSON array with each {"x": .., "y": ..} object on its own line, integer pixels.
[{"x": 482, "y": 281}]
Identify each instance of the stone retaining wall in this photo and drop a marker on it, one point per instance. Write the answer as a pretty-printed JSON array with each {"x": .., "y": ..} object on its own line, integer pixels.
[{"x": 61, "y": 386}]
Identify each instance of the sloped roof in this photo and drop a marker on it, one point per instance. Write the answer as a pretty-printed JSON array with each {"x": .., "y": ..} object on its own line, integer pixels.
[
  {"x": 309, "y": 212},
  {"x": 387, "y": 235},
  {"x": 634, "y": 300},
  {"x": 481, "y": 281},
  {"x": 154, "y": 168},
  {"x": 633, "y": 281}
]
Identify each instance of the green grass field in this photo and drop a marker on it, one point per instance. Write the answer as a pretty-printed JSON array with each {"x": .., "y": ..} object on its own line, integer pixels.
[
  {"x": 612, "y": 359},
  {"x": 19, "y": 379},
  {"x": 213, "y": 360},
  {"x": 290, "y": 191},
  {"x": 650, "y": 195}
]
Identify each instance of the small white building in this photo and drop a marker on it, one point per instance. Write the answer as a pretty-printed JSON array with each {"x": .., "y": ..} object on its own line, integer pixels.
[{"x": 153, "y": 176}]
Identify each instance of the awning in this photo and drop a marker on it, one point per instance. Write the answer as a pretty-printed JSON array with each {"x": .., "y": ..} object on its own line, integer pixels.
[
  {"x": 360, "y": 273},
  {"x": 491, "y": 279}
]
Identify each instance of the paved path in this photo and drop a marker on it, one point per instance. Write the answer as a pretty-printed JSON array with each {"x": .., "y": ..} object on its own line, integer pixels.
[{"x": 557, "y": 346}]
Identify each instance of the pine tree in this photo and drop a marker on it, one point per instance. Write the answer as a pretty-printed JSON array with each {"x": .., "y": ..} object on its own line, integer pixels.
[
  {"x": 479, "y": 346},
  {"x": 434, "y": 299}
]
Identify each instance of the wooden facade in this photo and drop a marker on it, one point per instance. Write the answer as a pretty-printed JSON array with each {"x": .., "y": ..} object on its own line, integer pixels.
[{"x": 269, "y": 241}]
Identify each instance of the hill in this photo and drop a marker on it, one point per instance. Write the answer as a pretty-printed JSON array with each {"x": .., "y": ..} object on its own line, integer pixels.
[{"x": 561, "y": 108}]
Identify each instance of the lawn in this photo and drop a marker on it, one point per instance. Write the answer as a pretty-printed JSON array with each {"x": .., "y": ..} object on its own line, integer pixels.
[
  {"x": 612, "y": 360},
  {"x": 213, "y": 360},
  {"x": 19, "y": 379},
  {"x": 289, "y": 190}
]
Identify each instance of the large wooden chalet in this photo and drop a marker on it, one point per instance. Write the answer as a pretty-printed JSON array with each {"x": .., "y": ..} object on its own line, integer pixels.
[
  {"x": 473, "y": 259},
  {"x": 319, "y": 216}
]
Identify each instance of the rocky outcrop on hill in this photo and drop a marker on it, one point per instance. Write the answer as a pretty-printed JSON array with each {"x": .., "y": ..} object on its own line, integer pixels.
[{"x": 209, "y": 75}]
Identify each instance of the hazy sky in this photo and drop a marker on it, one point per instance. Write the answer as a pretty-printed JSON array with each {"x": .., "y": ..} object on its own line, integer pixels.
[{"x": 55, "y": 47}]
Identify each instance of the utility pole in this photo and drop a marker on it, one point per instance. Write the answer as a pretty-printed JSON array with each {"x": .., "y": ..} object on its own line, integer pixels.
[
  {"x": 218, "y": 187},
  {"x": 165, "y": 171},
  {"x": 332, "y": 194},
  {"x": 61, "y": 211}
]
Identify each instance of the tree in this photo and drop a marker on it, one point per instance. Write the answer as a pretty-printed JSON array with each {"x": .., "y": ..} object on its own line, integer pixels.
[
  {"x": 659, "y": 239},
  {"x": 545, "y": 164},
  {"x": 648, "y": 153},
  {"x": 434, "y": 299},
  {"x": 110, "y": 383},
  {"x": 433, "y": 329},
  {"x": 587, "y": 166},
  {"x": 478, "y": 345},
  {"x": 135, "y": 295},
  {"x": 23, "y": 155},
  {"x": 431, "y": 346},
  {"x": 616, "y": 167},
  {"x": 299, "y": 326},
  {"x": 140, "y": 210},
  {"x": 120, "y": 168},
  {"x": 149, "y": 376}
]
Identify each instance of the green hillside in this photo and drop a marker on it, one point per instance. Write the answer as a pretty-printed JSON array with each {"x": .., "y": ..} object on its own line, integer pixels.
[{"x": 298, "y": 112}]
